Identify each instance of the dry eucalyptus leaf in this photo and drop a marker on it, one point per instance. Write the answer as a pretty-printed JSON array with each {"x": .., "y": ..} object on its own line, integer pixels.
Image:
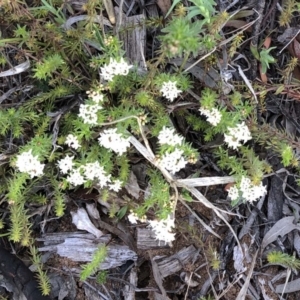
[
  {"x": 132, "y": 186},
  {"x": 280, "y": 228},
  {"x": 93, "y": 211},
  {"x": 238, "y": 258},
  {"x": 186, "y": 277},
  {"x": 81, "y": 220},
  {"x": 290, "y": 287},
  {"x": 164, "y": 5},
  {"x": 297, "y": 242},
  {"x": 17, "y": 69}
]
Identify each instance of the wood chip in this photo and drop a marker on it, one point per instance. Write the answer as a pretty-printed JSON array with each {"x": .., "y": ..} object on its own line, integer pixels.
[
  {"x": 85, "y": 244},
  {"x": 146, "y": 240},
  {"x": 170, "y": 265},
  {"x": 132, "y": 33}
]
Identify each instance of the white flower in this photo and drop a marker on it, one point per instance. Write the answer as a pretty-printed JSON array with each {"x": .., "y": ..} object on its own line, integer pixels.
[
  {"x": 88, "y": 112},
  {"x": 248, "y": 190},
  {"x": 112, "y": 140},
  {"x": 27, "y": 163},
  {"x": 237, "y": 134},
  {"x": 95, "y": 96},
  {"x": 173, "y": 161},
  {"x": 123, "y": 67},
  {"x": 66, "y": 164},
  {"x": 213, "y": 115},
  {"x": 116, "y": 185},
  {"x": 233, "y": 192},
  {"x": 163, "y": 229},
  {"x": 107, "y": 72},
  {"x": 75, "y": 178},
  {"x": 232, "y": 141},
  {"x": 169, "y": 90},
  {"x": 72, "y": 141},
  {"x": 133, "y": 218},
  {"x": 169, "y": 137},
  {"x": 241, "y": 132},
  {"x": 95, "y": 171},
  {"x": 115, "y": 68}
]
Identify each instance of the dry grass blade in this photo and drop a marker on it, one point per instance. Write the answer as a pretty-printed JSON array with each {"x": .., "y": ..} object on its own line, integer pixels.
[
  {"x": 17, "y": 69},
  {"x": 157, "y": 276},
  {"x": 243, "y": 292}
]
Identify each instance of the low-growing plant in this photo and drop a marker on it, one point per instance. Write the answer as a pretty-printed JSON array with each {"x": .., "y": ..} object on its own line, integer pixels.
[
  {"x": 284, "y": 259},
  {"x": 78, "y": 130},
  {"x": 92, "y": 267}
]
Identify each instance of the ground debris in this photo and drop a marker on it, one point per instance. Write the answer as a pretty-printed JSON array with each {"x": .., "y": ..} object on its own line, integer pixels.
[{"x": 85, "y": 244}]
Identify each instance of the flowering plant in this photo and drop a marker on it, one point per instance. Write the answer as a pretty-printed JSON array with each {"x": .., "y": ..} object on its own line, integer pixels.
[{"x": 64, "y": 137}]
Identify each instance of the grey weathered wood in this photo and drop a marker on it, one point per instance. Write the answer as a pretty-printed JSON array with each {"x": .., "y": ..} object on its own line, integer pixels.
[
  {"x": 157, "y": 276},
  {"x": 170, "y": 265},
  {"x": 81, "y": 246},
  {"x": 129, "y": 290},
  {"x": 146, "y": 240},
  {"x": 158, "y": 296},
  {"x": 132, "y": 33}
]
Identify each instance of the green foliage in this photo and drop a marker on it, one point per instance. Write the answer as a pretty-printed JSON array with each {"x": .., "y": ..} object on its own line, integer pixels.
[
  {"x": 15, "y": 120},
  {"x": 182, "y": 37},
  {"x": 49, "y": 7},
  {"x": 92, "y": 267},
  {"x": 289, "y": 261},
  {"x": 286, "y": 14},
  {"x": 287, "y": 155},
  {"x": 202, "y": 7},
  {"x": 159, "y": 197},
  {"x": 43, "y": 279},
  {"x": 266, "y": 59},
  {"x": 101, "y": 277},
  {"x": 49, "y": 65}
]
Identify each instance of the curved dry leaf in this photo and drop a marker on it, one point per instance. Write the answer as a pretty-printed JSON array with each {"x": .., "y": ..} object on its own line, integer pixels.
[
  {"x": 110, "y": 11},
  {"x": 81, "y": 220},
  {"x": 17, "y": 69},
  {"x": 164, "y": 5},
  {"x": 280, "y": 228},
  {"x": 290, "y": 287},
  {"x": 186, "y": 277}
]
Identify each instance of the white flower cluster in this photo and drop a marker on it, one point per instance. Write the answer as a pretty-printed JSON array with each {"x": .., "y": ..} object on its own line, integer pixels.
[
  {"x": 66, "y": 164},
  {"x": 163, "y": 229},
  {"x": 115, "y": 68},
  {"x": 247, "y": 190},
  {"x": 95, "y": 96},
  {"x": 72, "y": 141},
  {"x": 76, "y": 178},
  {"x": 88, "y": 112},
  {"x": 89, "y": 171},
  {"x": 237, "y": 134},
  {"x": 27, "y": 163},
  {"x": 133, "y": 218},
  {"x": 167, "y": 136},
  {"x": 112, "y": 140},
  {"x": 213, "y": 115},
  {"x": 94, "y": 171},
  {"x": 169, "y": 90},
  {"x": 173, "y": 161}
]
